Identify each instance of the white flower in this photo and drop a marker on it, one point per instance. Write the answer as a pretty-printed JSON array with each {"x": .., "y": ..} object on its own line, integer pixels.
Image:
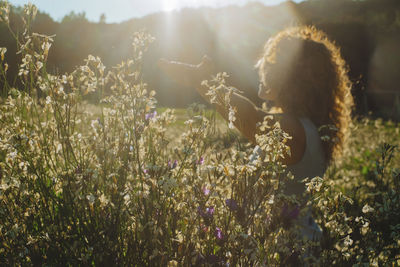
[
  {"x": 4, "y": 13},
  {"x": 3, "y": 50},
  {"x": 45, "y": 47},
  {"x": 30, "y": 9},
  {"x": 367, "y": 208},
  {"x": 39, "y": 65},
  {"x": 103, "y": 200},
  {"x": 348, "y": 241},
  {"x": 231, "y": 116},
  {"x": 365, "y": 228},
  {"x": 64, "y": 79},
  {"x": 91, "y": 199},
  {"x": 59, "y": 148}
]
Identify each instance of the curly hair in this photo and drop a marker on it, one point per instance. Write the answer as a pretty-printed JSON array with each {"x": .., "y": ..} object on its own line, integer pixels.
[{"x": 309, "y": 78}]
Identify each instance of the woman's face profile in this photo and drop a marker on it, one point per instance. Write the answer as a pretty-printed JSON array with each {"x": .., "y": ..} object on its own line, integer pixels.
[
  {"x": 263, "y": 93},
  {"x": 267, "y": 93},
  {"x": 266, "y": 88}
]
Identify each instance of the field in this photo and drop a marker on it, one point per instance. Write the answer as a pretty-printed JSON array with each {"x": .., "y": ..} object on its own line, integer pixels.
[{"x": 124, "y": 182}]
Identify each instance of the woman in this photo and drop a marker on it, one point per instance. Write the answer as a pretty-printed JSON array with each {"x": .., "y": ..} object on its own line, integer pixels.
[{"x": 302, "y": 72}]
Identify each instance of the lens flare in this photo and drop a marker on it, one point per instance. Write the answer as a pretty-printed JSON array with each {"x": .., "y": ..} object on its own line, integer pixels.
[{"x": 169, "y": 5}]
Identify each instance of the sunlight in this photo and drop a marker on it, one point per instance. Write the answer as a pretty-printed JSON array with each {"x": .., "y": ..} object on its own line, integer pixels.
[
  {"x": 244, "y": 52},
  {"x": 169, "y": 5}
]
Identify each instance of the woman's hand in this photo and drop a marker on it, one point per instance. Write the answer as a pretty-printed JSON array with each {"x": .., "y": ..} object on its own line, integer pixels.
[{"x": 187, "y": 74}]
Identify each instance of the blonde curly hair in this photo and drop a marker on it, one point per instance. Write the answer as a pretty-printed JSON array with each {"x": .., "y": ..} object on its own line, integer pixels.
[{"x": 309, "y": 78}]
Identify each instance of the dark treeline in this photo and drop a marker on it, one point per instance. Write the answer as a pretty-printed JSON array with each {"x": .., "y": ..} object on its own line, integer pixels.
[{"x": 368, "y": 33}]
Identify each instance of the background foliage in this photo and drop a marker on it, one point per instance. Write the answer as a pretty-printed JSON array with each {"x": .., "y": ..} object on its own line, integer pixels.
[{"x": 367, "y": 32}]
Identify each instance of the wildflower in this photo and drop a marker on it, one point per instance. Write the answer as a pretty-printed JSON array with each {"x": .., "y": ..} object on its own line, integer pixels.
[
  {"x": 172, "y": 165},
  {"x": 103, "y": 200},
  {"x": 231, "y": 204},
  {"x": 45, "y": 47},
  {"x": 30, "y": 9},
  {"x": 172, "y": 263},
  {"x": 4, "y": 13},
  {"x": 231, "y": 116},
  {"x": 218, "y": 233},
  {"x": 200, "y": 161},
  {"x": 39, "y": 65},
  {"x": 151, "y": 115},
  {"x": 48, "y": 100},
  {"x": 209, "y": 211},
  {"x": 26, "y": 61},
  {"x": 205, "y": 190},
  {"x": 348, "y": 241},
  {"x": 96, "y": 123},
  {"x": 367, "y": 208},
  {"x": 91, "y": 199},
  {"x": 365, "y": 228},
  {"x": 3, "y": 50}
]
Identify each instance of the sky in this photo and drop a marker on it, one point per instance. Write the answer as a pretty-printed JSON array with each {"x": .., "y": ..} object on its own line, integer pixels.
[{"x": 121, "y": 10}]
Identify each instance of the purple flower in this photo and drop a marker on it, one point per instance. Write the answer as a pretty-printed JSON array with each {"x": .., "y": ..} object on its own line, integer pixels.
[
  {"x": 231, "y": 203},
  {"x": 172, "y": 165},
  {"x": 200, "y": 161},
  {"x": 209, "y": 211},
  {"x": 205, "y": 190},
  {"x": 151, "y": 115},
  {"x": 218, "y": 233}
]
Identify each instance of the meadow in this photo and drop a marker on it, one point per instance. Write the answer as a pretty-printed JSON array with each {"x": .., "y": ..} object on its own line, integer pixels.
[{"x": 127, "y": 183}]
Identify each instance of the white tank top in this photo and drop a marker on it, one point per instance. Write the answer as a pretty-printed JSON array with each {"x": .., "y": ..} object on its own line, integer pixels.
[{"x": 312, "y": 163}]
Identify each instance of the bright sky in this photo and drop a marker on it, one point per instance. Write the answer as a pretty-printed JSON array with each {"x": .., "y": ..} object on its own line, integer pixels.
[{"x": 120, "y": 10}]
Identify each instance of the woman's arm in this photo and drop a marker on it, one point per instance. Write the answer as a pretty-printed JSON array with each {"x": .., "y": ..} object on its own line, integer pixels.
[{"x": 247, "y": 114}]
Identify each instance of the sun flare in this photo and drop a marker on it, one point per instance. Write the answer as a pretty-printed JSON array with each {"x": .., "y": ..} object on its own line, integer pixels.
[{"x": 169, "y": 5}]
